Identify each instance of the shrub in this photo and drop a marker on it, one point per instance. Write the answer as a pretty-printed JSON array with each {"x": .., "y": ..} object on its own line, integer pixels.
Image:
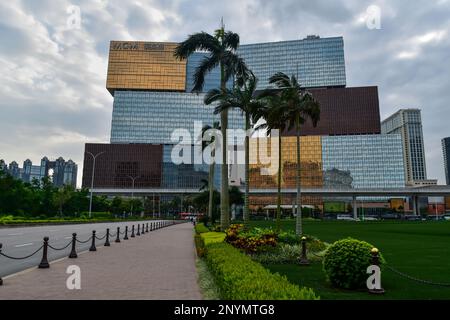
[
  {"x": 251, "y": 241},
  {"x": 201, "y": 228},
  {"x": 345, "y": 263},
  {"x": 212, "y": 237},
  {"x": 199, "y": 245},
  {"x": 240, "y": 278}
]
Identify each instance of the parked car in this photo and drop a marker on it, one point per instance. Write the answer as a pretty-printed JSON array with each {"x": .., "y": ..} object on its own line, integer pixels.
[
  {"x": 412, "y": 217},
  {"x": 446, "y": 216},
  {"x": 389, "y": 216},
  {"x": 345, "y": 217},
  {"x": 371, "y": 218}
]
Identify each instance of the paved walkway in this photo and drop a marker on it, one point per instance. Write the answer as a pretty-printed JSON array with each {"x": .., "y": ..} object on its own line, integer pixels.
[{"x": 157, "y": 265}]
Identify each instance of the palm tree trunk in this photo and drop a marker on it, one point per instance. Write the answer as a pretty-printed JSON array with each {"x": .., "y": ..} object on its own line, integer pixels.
[
  {"x": 211, "y": 188},
  {"x": 278, "y": 219},
  {"x": 224, "y": 196},
  {"x": 298, "y": 222},
  {"x": 247, "y": 178}
]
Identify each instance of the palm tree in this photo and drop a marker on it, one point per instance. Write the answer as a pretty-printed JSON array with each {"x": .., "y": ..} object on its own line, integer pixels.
[
  {"x": 301, "y": 106},
  {"x": 222, "y": 48},
  {"x": 210, "y": 141},
  {"x": 244, "y": 99},
  {"x": 274, "y": 112}
]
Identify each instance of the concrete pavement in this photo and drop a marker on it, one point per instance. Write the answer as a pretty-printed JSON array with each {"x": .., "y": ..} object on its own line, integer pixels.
[
  {"x": 22, "y": 241},
  {"x": 156, "y": 265}
]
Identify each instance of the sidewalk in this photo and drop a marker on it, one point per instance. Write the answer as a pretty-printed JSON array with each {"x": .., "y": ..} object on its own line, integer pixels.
[{"x": 157, "y": 265}]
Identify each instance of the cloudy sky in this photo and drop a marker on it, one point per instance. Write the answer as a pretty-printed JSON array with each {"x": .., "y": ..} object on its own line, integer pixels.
[{"x": 53, "y": 74}]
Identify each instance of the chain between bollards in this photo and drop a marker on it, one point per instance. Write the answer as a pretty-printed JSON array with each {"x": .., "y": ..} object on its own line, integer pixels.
[
  {"x": 93, "y": 248},
  {"x": 107, "y": 244},
  {"x": 304, "y": 258},
  {"x": 44, "y": 261}
]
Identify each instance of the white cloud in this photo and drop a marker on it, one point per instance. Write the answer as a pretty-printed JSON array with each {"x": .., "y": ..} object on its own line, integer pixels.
[{"x": 53, "y": 79}]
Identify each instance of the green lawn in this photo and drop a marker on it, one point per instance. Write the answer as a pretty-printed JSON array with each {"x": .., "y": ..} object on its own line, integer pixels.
[{"x": 420, "y": 249}]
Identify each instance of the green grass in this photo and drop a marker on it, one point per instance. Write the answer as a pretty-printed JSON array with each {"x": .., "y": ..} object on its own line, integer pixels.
[{"x": 419, "y": 249}]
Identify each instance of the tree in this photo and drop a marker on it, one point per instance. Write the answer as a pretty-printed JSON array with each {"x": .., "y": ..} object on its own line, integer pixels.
[
  {"x": 208, "y": 140},
  {"x": 300, "y": 106},
  {"x": 62, "y": 196},
  {"x": 117, "y": 205},
  {"x": 242, "y": 98},
  {"x": 222, "y": 48},
  {"x": 275, "y": 114}
]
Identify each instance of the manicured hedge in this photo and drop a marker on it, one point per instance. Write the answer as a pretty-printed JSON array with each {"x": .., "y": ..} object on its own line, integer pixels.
[
  {"x": 240, "y": 278},
  {"x": 212, "y": 237},
  {"x": 201, "y": 228}
]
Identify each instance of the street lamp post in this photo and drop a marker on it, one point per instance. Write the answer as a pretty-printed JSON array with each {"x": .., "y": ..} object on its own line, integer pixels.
[
  {"x": 92, "y": 179},
  {"x": 132, "y": 191}
]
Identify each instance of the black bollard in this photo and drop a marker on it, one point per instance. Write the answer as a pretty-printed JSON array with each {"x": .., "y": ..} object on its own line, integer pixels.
[
  {"x": 132, "y": 231},
  {"x": 143, "y": 229},
  {"x": 73, "y": 252},
  {"x": 44, "y": 262},
  {"x": 93, "y": 248},
  {"x": 118, "y": 235},
  {"x": 139, "y": 228},
  {"x": 151, "y": 226},
  {"x": 1, "y": 280},
  {"x": 107, "y": 244},
  {"x": 147, "y": 228},
  {"x": 126, "y": 233},
  {"x": 304, "y": 258}
]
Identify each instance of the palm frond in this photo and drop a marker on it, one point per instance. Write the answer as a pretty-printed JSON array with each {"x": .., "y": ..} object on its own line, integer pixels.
[
  {"x": 281, "y": 80},
  {"x": 199, "y": 41},
  {"x": 231, "y": 40},
  {"x": 208, "y": 63},
  {"x": 212, "y": 96}
]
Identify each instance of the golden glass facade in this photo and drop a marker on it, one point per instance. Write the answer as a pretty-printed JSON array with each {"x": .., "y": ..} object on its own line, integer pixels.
[
  {"x": 139, "y": 65},
  {"x": 311, "y": 174}
]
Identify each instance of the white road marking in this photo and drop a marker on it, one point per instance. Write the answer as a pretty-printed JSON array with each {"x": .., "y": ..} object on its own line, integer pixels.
[
  {"x": 68, "y": 238},
  {"x": 15, "y": 234},
  {"x": 23, "y": 245}
]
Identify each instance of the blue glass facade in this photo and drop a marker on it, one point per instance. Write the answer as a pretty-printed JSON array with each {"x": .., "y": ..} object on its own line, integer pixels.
[
  {"x": 318, "y": 62},
  {"x": 363, "y": 161},
  {"x": 189, "y": 176},
  {"x": 212, "y": 79},
  {"x": 151, "y": 117}
]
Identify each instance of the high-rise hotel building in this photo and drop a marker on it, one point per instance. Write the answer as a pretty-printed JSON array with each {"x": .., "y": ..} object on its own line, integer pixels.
[
  {"x": 152, "y": 98},
  {"x": 408, "y": 123}
]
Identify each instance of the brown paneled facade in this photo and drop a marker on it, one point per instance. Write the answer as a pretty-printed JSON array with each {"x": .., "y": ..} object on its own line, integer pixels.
[
  {"x": 345, "y": 111},
  {"x": 311, "y": 174},
  {"x": 144, "y": 66},
  {"x": 118, "y": 162}
]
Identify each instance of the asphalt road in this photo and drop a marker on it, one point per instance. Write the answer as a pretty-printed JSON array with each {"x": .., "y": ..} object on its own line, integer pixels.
[{"x": 20, "y": 242}]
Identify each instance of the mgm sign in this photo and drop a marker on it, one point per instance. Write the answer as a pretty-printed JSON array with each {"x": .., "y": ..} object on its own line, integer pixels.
[{"x": 135, "y": 46}]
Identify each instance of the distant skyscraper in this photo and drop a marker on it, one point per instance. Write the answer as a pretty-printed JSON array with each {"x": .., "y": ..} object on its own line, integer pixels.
[
  {"x": 408, "y": 123},
  {"x": 446, "y": 151},
  {"x": 3, "y": 165},
  {"x": 64, "y": 173}
]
